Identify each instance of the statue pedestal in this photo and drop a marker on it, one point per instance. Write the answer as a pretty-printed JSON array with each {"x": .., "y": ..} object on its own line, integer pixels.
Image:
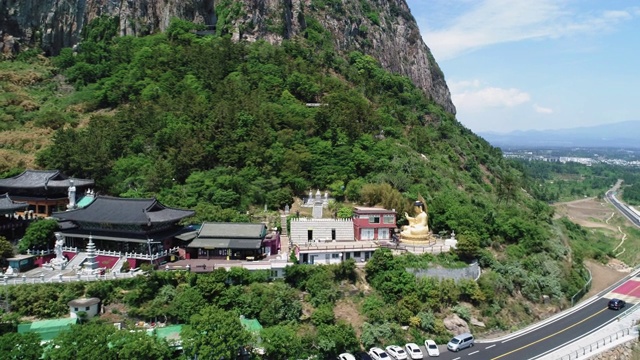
[
  {"x": 57, "y": 264},
  {"x": 426, "y": 239}
]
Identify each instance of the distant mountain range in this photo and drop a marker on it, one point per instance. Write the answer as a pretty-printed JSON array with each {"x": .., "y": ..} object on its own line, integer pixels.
[{"x": 619, "y": 135}]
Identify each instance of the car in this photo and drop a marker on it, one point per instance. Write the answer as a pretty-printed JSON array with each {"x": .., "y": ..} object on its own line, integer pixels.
[
  {"x": 361, "y": 355},
  {"x": 432, "y": 348},
  {"x": 413, "y": 350},
  {"x": 616, "y": 304},
  {"x": 346, "y": 356},
  {"x": 397, "y": 352},
  {"x": 460, "y": 342},
  {"x": 378, "y": 354}
]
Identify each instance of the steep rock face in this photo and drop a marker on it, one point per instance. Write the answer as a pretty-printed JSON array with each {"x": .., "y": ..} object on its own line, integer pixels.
[
  {"x": 55, "y": 24},
  {"x": 384, "y": 29}
]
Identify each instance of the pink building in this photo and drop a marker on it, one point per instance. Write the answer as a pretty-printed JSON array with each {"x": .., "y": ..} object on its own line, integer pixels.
[{"x": 373, "y": 223}]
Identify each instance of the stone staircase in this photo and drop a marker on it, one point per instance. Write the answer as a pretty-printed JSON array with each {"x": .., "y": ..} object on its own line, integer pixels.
[
  {"x": 77, "y": 260},
  {"x": 118, "y": 266},
  {"x": 283, "y": 224}
]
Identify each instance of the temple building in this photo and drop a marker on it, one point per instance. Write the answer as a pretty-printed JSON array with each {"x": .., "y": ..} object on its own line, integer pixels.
[
  {"x": 10, "y": 224},
  {"x": 44, "y": 191},
  {"x": 142, "y": 229},
  {"x": 231, "y": 241}
]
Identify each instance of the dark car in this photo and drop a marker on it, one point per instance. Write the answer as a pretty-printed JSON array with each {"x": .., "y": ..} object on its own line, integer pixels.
[
  {"x": 362, "y": 356},
  {"x": 616, "y": 304}
]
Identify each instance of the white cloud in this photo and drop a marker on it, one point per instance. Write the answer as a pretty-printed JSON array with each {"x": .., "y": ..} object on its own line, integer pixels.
[
  {"x": 492, "y": 22},
  {"x": 470, "y": 96},
  {"x": 542, "y": 110}
]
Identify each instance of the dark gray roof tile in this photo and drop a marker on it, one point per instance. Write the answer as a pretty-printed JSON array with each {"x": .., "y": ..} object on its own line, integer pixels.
[
  {"x": 31, "y": 179},
  {"x": 112, "y": 210}
]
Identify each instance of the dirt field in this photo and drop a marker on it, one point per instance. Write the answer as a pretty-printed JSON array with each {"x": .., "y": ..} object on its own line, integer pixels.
[
  {"x": 589, "y": 212},
  {"x": 595, "y": 213}
]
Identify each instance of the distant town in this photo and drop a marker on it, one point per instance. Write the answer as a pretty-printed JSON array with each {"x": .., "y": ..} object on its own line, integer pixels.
[{"x": 586, "y": 156}]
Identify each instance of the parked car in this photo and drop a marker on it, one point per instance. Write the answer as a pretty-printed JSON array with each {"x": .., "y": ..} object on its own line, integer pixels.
[
  {"x": 413, "y": 350},
  {"x": 361, "y": 355},
  {"x": 346, "y": 356},
  {"x": 432, "y": 348},
  {"x": 460, "y": 342},
  {"x": 616, "y": 304},
  {"x": 378, "y": 354},
  {"x": 397, "y": 352}
]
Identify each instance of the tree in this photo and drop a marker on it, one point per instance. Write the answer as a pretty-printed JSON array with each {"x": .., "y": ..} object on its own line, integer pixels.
[
  {"x": 468, "y": 246},
  {"x": 39, "y": 235},
  {"x": 138, "y": 345},
  {"x": 83, "y": 342},
  {"x": 280, "y": 342},
  {"x": 214, "y": 334},
  {"x": 187, "y": 302},
  {"x": 335, "y": 339},
  {"x": 6, "y": 249},
  {"x": 17, "y": 346}
]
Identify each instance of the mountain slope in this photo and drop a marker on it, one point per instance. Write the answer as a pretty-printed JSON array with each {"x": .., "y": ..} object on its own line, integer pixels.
[{"x": 386, "y": 29}]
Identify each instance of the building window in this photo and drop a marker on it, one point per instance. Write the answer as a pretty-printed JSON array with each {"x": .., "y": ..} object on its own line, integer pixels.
[
  {"x": 333, "y": 234},
  {"x": 356, "y": 254},
  {"x": 389, "y": 219},
  {"x": 75, "y": 309},
  {"x": 374, "y": 219},
  {"x": 383, "y": 234},
  {"x": 335, "y": 256},
  {"x": 87, "y": 308},
  {"x": 309, "y": 235}
]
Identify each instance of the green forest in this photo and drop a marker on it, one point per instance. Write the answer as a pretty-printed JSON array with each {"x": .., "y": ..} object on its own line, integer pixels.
[{"x": 224, "y": 128}]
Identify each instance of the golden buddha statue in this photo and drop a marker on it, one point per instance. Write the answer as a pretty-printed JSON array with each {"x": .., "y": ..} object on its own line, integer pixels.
[{"x": 418, "y": 228}]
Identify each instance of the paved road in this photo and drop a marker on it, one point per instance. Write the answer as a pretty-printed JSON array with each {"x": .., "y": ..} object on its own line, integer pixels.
[
  {"x": 623, "y": 208},
  {"x": 582, "y": 323}
]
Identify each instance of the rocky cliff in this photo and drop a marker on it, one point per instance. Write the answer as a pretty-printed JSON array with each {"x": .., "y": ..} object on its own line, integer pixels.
[{"x": 384, "y": 29}]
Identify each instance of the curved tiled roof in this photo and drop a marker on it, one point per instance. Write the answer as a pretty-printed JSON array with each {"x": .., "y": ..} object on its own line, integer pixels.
[
  {"x": 113, "y": 210},
  {"x": 8, "y": 205},
  {"x": 33, "y": 179}
]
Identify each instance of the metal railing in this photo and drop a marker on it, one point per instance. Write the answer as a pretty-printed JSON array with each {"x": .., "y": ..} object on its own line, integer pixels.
[
  {"x": 597, "y": 346},
  {"x": 584, "y": 290}
]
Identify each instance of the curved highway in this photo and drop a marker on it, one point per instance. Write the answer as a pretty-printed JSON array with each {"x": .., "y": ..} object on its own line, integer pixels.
[
  {"x": 550, "y": 335},
  {"x": 623, "y": 208},
  {"x": 535, "y": 342}
]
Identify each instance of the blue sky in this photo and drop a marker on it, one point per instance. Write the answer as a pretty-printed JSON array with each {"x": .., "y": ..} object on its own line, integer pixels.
[{"x": 536, "y": 64}]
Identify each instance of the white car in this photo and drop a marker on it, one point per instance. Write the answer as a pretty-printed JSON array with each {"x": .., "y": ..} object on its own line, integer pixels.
[
  {"x": 378, "y": 354},
  {"x": 413, "y": 350},
  {"x": 432, "y": 348},
  {"x": 346, "y": 356},
  {"x": 397, "y": 352}
]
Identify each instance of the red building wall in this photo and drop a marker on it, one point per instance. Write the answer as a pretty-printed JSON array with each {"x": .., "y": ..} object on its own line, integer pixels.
[{"x": 364, "y": 218}]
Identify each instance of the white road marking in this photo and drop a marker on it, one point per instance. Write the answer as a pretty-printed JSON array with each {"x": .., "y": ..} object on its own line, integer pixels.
[
  {"x": 475, "y": 352},
  {"x": 489, "y": 347}
]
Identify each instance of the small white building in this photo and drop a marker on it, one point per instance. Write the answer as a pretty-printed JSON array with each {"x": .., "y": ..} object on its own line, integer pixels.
[
  {"x": 325, "y": 253},
  {"x": 90, "y": 306},
  {"x": 305, "y": 231}
]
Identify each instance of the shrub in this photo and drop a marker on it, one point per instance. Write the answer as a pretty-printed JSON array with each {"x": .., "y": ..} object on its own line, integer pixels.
[
  {"x": 125, "y": 267},
  {"x": 463, "y": 312}
]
